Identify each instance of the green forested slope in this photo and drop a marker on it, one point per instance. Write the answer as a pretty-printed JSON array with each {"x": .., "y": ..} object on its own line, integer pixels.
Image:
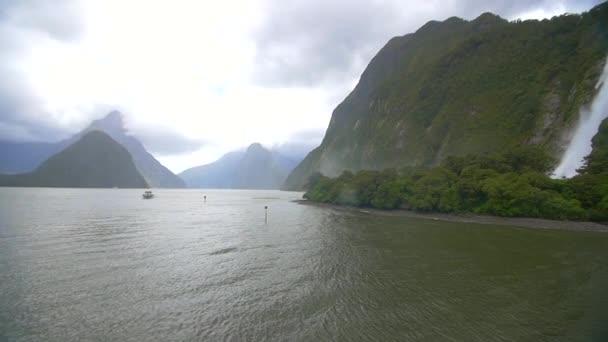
[
  {"x": 458, "y": 87},
  {"x": 597, "y": 161}
]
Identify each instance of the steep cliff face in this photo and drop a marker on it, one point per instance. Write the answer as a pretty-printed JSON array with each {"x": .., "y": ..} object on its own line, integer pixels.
[{"x": 458, "y": 87}]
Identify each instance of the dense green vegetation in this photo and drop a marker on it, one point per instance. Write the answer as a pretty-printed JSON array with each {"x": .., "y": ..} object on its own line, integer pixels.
[
  {"x": 461, "y": 87},
  {"x": 512, "y": 183},
  {"x": 597, "y": 161}
]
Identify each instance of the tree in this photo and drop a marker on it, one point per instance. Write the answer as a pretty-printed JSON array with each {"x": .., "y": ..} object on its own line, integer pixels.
[{"x": 428, "y": 191}]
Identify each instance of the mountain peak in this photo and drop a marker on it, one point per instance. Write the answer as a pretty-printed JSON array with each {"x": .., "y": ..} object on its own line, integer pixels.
[
  {"x": 487, "y": 21},
  {"x": 95, "y": 160},
  {"x": 255, "y": 168},
  {"x": 488, "y": 16},
  {"x": 112, "y": 122},
  {"x": 113, "y": 116},
  {"x": 255, "y": 147}
]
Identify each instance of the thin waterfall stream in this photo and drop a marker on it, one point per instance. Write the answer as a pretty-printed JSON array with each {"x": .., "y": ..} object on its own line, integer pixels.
[{"x": 580, "y": 145}]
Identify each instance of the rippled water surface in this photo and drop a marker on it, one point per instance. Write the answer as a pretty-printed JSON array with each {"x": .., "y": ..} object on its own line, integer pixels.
[{"x": 80, "y": 264}]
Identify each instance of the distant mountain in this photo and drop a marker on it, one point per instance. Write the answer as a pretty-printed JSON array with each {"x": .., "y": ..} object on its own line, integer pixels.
[
  {"x": 25, "y": 157},
  {"x": 93, "y": 161},
  {"x": 217, "y": 175},
  {"x": 18, "y": 157},
  {"x": 255, "y": 168},
  {"x": 155, "y": 173}
]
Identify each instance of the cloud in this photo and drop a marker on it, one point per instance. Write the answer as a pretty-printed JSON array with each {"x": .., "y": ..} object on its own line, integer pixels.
[
  {"x": 304, "y": 42},
  {"x": 22, "y": 114},
  {"x": 300, "y": 143},
  {"x": 311, "y": 42},
  {"x": 513, "y": 9},
  {"x": 307, "y": 136},
  {"x": 197, "y": 79},
  {"x": 161, "y": 142},
  {"x": 58, "y": 18},
  {"x": 24, "y": 24}
]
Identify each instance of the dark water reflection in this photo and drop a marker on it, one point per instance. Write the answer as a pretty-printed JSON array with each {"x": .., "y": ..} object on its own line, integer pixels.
[{"x": 106, "y": 265}]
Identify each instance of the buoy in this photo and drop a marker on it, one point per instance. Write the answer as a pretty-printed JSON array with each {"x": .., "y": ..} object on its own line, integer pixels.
[
  {"x": 265, "y": 214},
  {"x": 205, "y": 198}
]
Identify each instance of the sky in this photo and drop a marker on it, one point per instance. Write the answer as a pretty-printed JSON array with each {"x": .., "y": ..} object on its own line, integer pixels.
[{"x": 196, "y": 79}]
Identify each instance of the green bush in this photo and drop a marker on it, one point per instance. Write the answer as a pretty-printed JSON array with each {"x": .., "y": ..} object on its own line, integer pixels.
[{"x": 506, "y": 184}]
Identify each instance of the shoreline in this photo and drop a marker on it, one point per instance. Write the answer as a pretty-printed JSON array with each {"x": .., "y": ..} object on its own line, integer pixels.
[{"x": 521, "y": 222}]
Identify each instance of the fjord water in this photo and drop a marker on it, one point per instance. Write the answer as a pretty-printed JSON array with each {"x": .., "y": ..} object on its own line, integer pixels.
[{"x": 83, "y": 264}]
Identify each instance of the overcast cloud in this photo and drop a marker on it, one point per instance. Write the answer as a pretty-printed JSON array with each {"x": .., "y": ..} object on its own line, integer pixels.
[
  {"x": 162, "y": 142},
  {"x": 196, "y": 79},
  {"x": 307, "y": 42}
]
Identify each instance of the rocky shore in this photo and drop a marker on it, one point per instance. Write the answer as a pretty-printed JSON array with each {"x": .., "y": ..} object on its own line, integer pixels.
[{"x": 473, "y": 218}]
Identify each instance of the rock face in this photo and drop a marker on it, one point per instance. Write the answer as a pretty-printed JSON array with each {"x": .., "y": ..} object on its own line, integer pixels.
[
  {"x": 255, "y": 168},
  {"x": 465, "y": 87},
  {"x": 25, "y": 157},
  {"x": 93, "y": 161}
]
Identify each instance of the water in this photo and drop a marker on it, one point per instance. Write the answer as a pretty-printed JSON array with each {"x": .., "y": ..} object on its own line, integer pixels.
[
  {"x": 106, "y": 265},
  {"x": 580, "y": 145}
]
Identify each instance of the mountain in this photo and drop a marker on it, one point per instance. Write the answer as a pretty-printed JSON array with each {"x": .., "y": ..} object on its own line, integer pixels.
[
  {"x": 462, "y": 87},
  {"x": 155, "y": 173},
  {"x": 255, "y": 168},
  {"x": 217, "y": 175},
  {"x": 24, "y": 157},
  {"x": 17, "y": 157},
  {"x": 93, "y": 161}
]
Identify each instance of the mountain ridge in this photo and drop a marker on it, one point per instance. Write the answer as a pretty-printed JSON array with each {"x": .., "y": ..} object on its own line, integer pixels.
[
  {"x": 462, "y": 87},
  {"x": 156, "y": 174},
  {"x": 25, "y": 157},
  {"x": 93, "y": 161},
  {"x": 254, "y": 168}
]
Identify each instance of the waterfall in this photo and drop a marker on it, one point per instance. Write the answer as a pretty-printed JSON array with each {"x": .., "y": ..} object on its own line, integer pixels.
[{"x": 589, "y": 124}]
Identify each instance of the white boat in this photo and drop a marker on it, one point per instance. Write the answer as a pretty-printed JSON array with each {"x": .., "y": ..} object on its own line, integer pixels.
[{"x": 147, "y": 195}]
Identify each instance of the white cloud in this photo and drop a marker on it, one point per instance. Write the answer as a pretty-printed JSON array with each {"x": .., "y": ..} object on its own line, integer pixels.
[
  {"x": 184, "y": 66},
  {"x": 203, "y": 70}
]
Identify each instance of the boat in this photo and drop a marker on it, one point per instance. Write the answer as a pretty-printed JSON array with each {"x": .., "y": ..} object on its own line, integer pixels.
[{"x": 147, "y": 195}]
